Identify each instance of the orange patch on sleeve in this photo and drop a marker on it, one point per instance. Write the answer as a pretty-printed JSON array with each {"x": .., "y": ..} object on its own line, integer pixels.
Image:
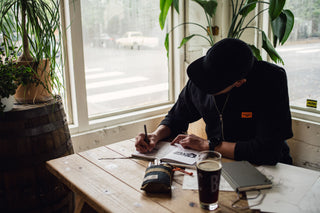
[{"x": 246, "y": 115}]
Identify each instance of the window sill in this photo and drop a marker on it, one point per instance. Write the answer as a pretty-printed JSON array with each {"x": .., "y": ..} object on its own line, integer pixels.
[
  {"x": 117, "y": 120},
  {"x": 309, "y": 116}
]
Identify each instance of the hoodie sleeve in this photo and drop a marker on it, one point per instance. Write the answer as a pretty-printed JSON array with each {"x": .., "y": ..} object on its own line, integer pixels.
[{"x": 182, "y": 113}]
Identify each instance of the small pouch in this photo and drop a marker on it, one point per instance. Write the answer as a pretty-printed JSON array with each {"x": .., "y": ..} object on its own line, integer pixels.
[{"x": 157, "y": 179}]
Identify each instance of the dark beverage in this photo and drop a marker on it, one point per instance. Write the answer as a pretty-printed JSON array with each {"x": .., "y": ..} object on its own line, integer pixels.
[{"x": 209, "y": 172}]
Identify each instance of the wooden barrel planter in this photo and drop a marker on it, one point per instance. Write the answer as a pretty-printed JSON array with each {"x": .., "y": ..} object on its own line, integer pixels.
[{"x": 30, "y": 135}]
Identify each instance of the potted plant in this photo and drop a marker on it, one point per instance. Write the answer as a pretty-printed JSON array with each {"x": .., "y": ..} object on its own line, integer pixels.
[
  {"x": 34, "y": 27},
  {"x": 12, "y": 75},
  {"x": 209, "y": 8},
  {"x": 281, "y": 20}
]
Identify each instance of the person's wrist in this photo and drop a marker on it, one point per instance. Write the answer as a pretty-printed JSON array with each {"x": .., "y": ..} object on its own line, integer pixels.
[
  {"x": 213, "y": 143},
  {"x": 154, "y": 137},
  {"x": 205, "y": 145}
]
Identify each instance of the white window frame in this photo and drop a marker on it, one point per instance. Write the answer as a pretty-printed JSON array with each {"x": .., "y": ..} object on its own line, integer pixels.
[
  {"x": 76, "y": 95},
  {"x": 308, "y": 115}
]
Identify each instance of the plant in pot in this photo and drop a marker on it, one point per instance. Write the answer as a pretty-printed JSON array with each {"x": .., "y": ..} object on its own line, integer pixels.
[
  {"x": 34, "y": 26},
  {"x": 281, "y": 20},
  {"x": 12, "y": 75},
  {"x": 209, "y": 8}
]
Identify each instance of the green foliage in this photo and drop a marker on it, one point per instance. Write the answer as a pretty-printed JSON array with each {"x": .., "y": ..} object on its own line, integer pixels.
[
  {"x": 35, "y": 27},
  {"x": 164, "y": 8},
  {"x": 246, "y": 9},
  {"x": 12, "y": 75},
  {"x": 275, "y": 8},
  {"x": 266, "y": 44},
  {"x": 255, "y": 51},
  {"x": 209, "y": 7},
  {"x": 282, "y": 27},
  {"x": 281, "y": 20}
]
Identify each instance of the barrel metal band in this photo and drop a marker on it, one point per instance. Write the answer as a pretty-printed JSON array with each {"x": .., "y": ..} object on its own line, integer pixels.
[{"x": 8, "y": 163}]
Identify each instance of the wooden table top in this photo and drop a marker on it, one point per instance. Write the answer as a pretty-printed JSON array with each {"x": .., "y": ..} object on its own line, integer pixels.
[{"x": 114, "y": 185}]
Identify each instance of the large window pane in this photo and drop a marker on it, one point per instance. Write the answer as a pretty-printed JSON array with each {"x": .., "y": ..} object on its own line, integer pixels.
[
  {"x": 301, "y": 53},
  {"x": 125, "y": 61}
]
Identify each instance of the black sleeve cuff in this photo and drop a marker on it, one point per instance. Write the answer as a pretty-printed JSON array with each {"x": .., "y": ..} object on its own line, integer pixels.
[{"x": 214, "y": 142}]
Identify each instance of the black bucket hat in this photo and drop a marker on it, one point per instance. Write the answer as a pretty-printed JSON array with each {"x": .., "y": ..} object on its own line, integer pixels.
[{"x": 226, "y": 62}]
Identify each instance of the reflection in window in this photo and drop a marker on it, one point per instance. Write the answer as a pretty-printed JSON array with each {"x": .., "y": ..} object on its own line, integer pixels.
[
  {"x": 125, "y": 59},
  {"x": 301, "y": 53}
]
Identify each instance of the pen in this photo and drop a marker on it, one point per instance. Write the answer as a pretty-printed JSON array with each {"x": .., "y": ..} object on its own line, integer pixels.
[{"x": 146, "y": 139}]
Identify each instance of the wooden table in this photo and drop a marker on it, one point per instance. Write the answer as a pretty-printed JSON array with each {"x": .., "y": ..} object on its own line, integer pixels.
[{"x": 114, "y": 185}]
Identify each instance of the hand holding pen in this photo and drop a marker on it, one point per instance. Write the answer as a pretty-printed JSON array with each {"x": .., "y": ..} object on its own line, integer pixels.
[
  {"x": 145, "y": 142},
  {"x": 146, "y": 139}
]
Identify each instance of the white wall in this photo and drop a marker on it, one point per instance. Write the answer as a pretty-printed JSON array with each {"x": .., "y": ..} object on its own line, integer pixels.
[
  {"x": 108, "y": 135},
  {"x": 305, "y": 144}
]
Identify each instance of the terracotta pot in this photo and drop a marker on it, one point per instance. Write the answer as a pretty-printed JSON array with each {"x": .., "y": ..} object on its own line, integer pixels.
[{"x": 33, "y": 93}]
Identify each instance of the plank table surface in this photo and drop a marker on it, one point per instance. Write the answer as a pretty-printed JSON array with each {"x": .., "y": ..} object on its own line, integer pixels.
[{"x": 114, "y": 185}]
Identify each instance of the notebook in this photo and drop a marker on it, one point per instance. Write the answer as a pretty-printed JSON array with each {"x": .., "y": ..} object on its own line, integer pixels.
[
  {"x": 243, "y": 176},
  {"x": 173, "y": 154}
]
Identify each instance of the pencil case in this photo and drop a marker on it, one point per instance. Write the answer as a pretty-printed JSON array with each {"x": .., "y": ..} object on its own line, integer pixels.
[{"x": 157, "y": 179}]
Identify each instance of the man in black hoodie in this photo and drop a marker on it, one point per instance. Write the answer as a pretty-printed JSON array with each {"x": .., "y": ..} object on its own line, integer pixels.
[{"x": 244, "y": 103}]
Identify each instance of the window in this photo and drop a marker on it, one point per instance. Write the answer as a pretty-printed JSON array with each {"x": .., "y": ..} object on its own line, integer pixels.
[
  {"x": 124, "y": 56},
  {"x": 117, "y": 60},
  {"x": 301, "y": 53}
]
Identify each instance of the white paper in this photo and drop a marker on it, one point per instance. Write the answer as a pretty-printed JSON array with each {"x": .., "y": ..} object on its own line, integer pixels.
[
  {"x": 191, "y": 182},
  {"x": 162, "y": 148},
  {"x": 290, "y": 186},
  {"x": 186, "y": 156},
  {"x": 170, "y": 153},
  {"x": 310, "y": 202}
]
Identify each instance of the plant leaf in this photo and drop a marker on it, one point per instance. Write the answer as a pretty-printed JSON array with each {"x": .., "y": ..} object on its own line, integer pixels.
[
  {"x": 267, "y": 46},
  {"x": 166, "y": 44},
  {"x": 185, "y": 40},
  {"x": 248, "y": 7},
  {"x": 164, "y": 8},
  {"x": 282, "y": 27},
  {"x": 255, "y": 51},
  {"x": 275, "y": 8},
  {"x": 176, "y": 5},
  {"x": 278, "y": 26},
  {"x": 289, "y": 25},
  {"x": 209, "y": 6}
]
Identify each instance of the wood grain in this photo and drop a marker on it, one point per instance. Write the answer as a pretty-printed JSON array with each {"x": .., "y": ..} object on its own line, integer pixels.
[{"x": 114, "y": 185}]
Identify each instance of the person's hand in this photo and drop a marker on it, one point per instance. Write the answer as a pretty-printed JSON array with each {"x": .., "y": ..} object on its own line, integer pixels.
[
  {"x": 191, "y": 142},
  {"x": 142, "y": 146}
]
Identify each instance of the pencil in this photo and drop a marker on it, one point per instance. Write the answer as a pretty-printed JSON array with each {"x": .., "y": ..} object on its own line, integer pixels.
[{"x": 146, "y": 139}]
